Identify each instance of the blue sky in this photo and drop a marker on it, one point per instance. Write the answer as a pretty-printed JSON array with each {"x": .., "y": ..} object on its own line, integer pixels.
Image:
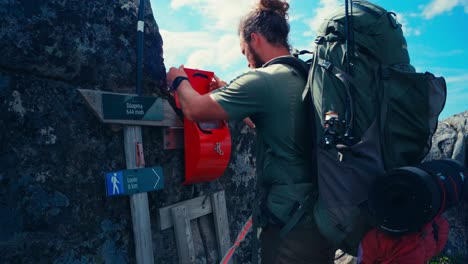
[{"x": 203, "y": 34}]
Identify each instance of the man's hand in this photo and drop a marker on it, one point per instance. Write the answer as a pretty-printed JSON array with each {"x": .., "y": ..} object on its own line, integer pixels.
[
  {"x": 174, "y": 73},
  {"x": 216, "y": 83}
]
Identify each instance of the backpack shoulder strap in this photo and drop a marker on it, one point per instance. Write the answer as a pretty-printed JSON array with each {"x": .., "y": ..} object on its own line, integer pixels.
[{"x": 292, "y": 61}]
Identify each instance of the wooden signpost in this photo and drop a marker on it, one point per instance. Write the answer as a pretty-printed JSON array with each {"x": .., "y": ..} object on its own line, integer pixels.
[
  {"x": 134, "y": 111},
  {"x": 137, "y": 180}
]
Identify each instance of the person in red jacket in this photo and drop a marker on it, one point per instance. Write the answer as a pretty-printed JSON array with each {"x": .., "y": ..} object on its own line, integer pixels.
[{"x": 415, "y": 248}]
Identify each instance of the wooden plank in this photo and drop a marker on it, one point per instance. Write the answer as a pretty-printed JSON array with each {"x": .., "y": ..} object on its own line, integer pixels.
[
  {"x": 183, "y": 235},
  {"x": 196, "y": 207},
  {"x": 218, "y": 201},
  {"x": 94, "y": 100}
]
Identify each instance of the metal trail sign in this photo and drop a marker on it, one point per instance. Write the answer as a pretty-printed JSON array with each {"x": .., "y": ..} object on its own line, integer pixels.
[
  {"x": 131, "y": 107},
  {"x": 133, "y": 181}
]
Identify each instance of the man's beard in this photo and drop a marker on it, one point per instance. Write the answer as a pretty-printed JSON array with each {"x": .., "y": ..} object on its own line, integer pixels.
[{"x": 256, "y": 58}]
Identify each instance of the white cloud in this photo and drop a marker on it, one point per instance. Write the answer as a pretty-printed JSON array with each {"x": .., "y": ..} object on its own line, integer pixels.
[
  {"x": 220, "y": 14},
  {"x": 407, "y": 29},
  {"x": 177, "y": 45},
  {"x": 222, "y": 53},
  {"x": 458, "y": 79},
  {"x": 326, "y": 7},
  {"x": 457, "y": 91},
  {"x": 180, "y": 3},
  {"x": 295, "y": 17},
  {"x": 183, "y": 40},
  {"x": 447, "y": 53},
  {"x": 437, "y": 7},
  {"x": 201, "y": 50},
  {"x": 216, "y": 45}
]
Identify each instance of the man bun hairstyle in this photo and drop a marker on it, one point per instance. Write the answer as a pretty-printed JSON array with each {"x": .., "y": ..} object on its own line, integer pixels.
[
  {"x": 269, "y": 18},
  {"x": 274, "y": 5}
]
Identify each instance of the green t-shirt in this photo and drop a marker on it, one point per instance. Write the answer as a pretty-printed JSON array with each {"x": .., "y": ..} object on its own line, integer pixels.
[{"x": 272, "y": 98}]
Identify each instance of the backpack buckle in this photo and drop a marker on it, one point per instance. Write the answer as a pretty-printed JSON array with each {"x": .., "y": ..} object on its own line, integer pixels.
[
  {"x": 326, "y": 65},
  {"x": 385, "y": 73},
  {"x": 319, "y": 40}
]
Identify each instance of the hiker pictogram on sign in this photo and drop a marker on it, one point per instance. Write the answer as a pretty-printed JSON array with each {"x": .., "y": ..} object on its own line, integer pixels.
[{"x": 114, "y": 182}]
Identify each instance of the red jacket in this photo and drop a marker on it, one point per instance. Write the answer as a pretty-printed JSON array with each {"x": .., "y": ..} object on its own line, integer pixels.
[{"x": 417, "y": 248}]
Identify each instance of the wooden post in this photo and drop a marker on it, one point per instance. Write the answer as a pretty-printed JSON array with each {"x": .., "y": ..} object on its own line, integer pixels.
[{"x": 138, "y": 202}]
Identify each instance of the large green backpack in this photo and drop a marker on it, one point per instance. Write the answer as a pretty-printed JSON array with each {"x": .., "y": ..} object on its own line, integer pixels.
[
  {"x": 379, "y": 115},
  {"x": 372, "y": 113}
]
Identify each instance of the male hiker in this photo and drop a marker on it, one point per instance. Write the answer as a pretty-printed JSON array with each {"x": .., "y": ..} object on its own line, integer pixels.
[{"x": 270, "y": 94}]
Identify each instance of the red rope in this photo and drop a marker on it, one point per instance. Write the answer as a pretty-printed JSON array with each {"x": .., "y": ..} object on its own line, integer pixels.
[{"x": 239, "y": 239}]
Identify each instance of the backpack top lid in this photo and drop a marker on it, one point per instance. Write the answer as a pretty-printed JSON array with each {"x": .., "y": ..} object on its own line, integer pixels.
[{"x": 375, "y": 31}]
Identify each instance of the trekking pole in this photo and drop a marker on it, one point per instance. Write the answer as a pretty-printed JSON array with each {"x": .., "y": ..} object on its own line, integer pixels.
[
  {"x": 140, "y": 43},
  {"x": 349, "y": 35},
  {"x": 349, "y": 115},
  {"x": 347, "y": 68}
]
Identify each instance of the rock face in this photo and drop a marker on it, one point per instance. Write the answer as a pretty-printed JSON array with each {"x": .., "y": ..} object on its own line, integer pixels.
[
  {"x": 90, "y": 44},
  {"x": 54, "y": 151}
]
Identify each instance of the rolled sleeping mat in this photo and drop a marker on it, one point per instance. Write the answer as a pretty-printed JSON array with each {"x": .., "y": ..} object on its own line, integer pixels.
[{"x": 405, "y": 199}]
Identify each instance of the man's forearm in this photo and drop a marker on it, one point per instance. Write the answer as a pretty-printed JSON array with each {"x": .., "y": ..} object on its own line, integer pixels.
[
  {"x": 188, "y": 99},
  {"x": 198, "y": 107}
]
